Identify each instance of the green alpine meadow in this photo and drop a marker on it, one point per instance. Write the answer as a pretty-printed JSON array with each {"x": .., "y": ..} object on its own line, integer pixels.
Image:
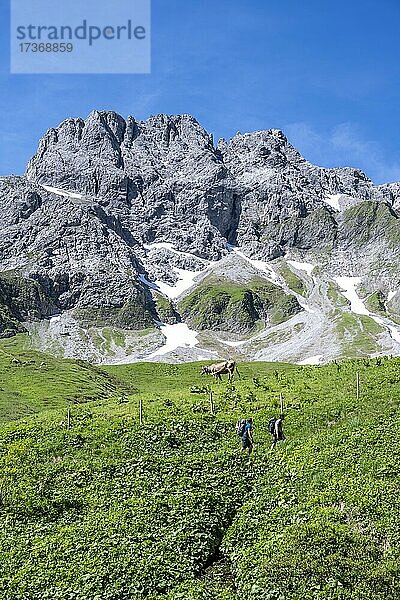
[
  {"x": 200, "y": 300},
  {"x": 125, "y": 482}
]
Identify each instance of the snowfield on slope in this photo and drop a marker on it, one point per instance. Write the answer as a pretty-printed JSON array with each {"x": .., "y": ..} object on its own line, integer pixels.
[
  {"x": 186, "y": 277},
  {"x": 60, "y": 192},
  {"x": 176, "y": 336},
  {"x": 302, "y": 266},
  {"x": 260, "y": 265},
  {"x": 357, "y": 306},
  {"x": 348, "y": 287},
  {"x": 185, "y": 281},
  {"x": 333, "y": 200},
  {"x": 312, "y": 360}
]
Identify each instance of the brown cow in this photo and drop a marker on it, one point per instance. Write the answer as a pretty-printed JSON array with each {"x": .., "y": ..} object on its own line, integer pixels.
[{"x": 222, "y": 368}]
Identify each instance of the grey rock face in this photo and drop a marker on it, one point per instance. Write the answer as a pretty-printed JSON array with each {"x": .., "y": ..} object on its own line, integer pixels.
[
  {"x": 390, "y": 192},
  {"x": 80, "y": 256},
  {"x": 161, "y": 177},
  {"x": 164, "y": 181},
  {"x": 98, "y": 191},
  {"x": 19, "y": 201},
  {"x": 21, "y": 300},
  {"x": 282, "y": 195},
  {"x": 394, "y": 304}
]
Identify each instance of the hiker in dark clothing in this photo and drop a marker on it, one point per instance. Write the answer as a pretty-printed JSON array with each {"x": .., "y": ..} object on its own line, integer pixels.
[
  {"x": 240, "y": 427},
  {"x": 275, "y": 427},
  {"x": 247, "y": 437}
]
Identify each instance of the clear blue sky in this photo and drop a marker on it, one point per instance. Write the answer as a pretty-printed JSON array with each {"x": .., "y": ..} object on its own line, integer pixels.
[{"x": 326, "y": 72}]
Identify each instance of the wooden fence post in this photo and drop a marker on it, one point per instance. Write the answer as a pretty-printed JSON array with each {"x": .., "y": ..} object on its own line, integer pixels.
[
  {"x": 211, "y": 403},
  {"x": 141, "y": 411},
  {"x": 69, "y": 418},
  {"x": 281, "y": 401}
]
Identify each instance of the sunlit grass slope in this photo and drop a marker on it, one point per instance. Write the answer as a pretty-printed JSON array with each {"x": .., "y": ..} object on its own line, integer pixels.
[{"x": 170, "y": 510}]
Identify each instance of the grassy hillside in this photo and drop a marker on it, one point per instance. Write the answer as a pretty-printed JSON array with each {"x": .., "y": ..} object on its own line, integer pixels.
[
  {"x": 172, "y": 510},
  {"x": 292, "y": 280},
  {"x": 219, "y": 304},
  {"x": 31, "y": 382}
]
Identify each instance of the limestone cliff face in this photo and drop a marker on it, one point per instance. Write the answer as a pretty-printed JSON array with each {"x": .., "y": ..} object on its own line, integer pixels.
[
  {"x": 98, "y": 191},
  {"x": 160, "y": 178}
]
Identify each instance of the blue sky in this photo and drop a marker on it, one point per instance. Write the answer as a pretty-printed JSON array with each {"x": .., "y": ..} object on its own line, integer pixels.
[{"x": 327, "y": 73}]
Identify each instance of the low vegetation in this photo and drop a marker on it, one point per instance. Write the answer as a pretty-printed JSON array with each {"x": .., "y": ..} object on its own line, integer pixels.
[
  {"x": 293, "y": 281},
  {"x": 111, "y": 509},
  {"x": 371, "y": 220},
  {"x": 358, "y": 334},
  {"x": 376, "y": 303},
  {"x": 222, "y": 305},
  {"x": 165, "y": 309},
  {"x": 337, "y": 299},
  {"x": 136, "y": 313},
  {"x": 20, "y": 299}
]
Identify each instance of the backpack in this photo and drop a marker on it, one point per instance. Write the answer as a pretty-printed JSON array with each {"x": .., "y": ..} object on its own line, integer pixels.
[
  {"x": 271, "y": 425},
  {"x": 241, "y": 427}
]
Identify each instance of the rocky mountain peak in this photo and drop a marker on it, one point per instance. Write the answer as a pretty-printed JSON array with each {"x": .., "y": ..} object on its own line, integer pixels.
[
  {"x": 113, "y": 212},
  {"x": 164, "y": 180}
]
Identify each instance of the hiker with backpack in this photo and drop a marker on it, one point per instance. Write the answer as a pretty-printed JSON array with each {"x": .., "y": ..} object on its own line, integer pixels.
[
  {"x": 244, "y": 429},
  {"x": 240, "y": 425},
  {"x": 275, "y": 427}
]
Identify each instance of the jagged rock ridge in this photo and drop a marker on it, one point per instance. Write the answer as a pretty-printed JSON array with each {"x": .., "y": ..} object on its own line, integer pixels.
[{"x": 99, "y": 192}]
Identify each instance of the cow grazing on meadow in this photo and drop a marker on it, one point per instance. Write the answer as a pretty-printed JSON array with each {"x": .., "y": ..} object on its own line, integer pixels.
[{"x": 217, "y": 369}]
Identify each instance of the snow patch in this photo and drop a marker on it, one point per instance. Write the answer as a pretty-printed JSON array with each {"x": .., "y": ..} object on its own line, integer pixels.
[
  {"x": 185, "y": 281},
  {"x": 232, "y": 344},
  {"x": 55, "y": 319},
  {"x": 185, "y": 276},
  {"x": 260, "y": 265},
  {"x": 394, "y": 333},
  {"x": 176, "y": 336},
  {"x": 333, "y": 200},
  {"x": 302, "y": 266},
  {"x": 158, "y": 245},
  {"x": 60, "y": 192},
  {"x": 391, "y": 295},
  {"x": 311, "y": 360},
  {"x": 348, "y": 286},
  {"x": 357, "y": 305}
]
